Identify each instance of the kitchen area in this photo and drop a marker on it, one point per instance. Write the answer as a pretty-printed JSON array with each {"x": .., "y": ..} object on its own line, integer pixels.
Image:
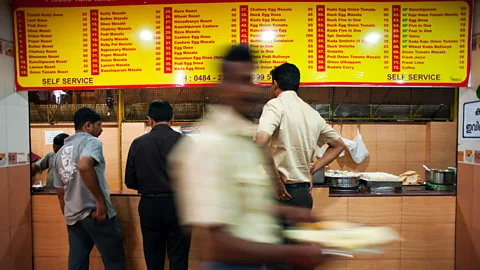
[{"x": 388, "y": 187}]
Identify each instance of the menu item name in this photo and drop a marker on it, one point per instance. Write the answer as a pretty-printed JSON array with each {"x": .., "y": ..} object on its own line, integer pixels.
[{"x": 84, "y": 45}]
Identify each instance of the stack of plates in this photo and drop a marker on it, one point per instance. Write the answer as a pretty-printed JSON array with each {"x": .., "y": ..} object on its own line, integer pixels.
[{"x": 343, "y": 238}]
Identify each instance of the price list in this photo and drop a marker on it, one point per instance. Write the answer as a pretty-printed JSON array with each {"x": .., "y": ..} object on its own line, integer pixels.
[
  {"x": 158, "y": 40},
  {"x": 94, "y": 42},
  {"x": 155, "y": 45},
  {"x": 22, "y": 44},
  {"x": 321, "y": 40},
  {"x": 396, "y": 32}
]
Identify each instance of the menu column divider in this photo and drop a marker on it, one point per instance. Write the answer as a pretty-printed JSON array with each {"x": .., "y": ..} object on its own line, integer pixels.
[
  {"x": 22, "y": 44},
  {"x": 244, "y": 24},
  {"x": 94, "y": 43},
  {"x": 321, "y": 55}
]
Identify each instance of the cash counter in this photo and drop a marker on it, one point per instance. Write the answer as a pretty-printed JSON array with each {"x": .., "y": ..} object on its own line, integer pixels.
[{"x": 426, "y": 221}]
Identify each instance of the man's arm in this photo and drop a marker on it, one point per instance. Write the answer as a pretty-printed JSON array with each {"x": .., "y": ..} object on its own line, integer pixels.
[
  {"x": 335, "y": 148},
  {"x": 233, "y": 250},
  {"x": 42, "y": 164},
  {"x": 34, "y": 168},
  {"x": 91, "y": 155},
  {"x": 269, "y": 122},
  {"x": 86, "y": 167},
  {"x": 61, "y": 199},
  {"x": 130, "y": 172}
]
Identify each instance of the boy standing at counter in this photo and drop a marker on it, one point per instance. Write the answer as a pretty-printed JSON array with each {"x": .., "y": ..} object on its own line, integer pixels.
[
  {"x": 223, "y": 189},
  {"x": 47, "y": 160},
  {"x": 147, "y": 173},
  {"x": 294, "y": 129},
  {"x": 84, "y": 196}
]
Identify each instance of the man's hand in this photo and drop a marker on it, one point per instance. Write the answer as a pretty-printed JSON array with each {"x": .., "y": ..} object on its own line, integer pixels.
[
  {"x": 282, "y": 193},
  {"x": 296, "y": 214},
  {"x": 100, "y": 213},
  {"x": 306, "y": 256}
]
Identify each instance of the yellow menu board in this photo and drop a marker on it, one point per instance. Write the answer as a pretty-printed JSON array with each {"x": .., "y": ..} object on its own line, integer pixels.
[{"x": 77, "y": 46}]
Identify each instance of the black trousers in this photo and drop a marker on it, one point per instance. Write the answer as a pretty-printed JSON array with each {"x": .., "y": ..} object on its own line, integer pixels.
[
  {"x": 161, "y": 232},
  {"x": 301, "y": 197}
]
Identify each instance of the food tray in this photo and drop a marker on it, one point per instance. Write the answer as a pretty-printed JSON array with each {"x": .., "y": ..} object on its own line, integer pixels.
[
  {"x": 381, "y": 186},
  {"x": 414, "y": 187}
]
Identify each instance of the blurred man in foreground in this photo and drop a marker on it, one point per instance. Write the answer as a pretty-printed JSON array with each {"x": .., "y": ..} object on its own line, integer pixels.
[
  {"x": 224, "y": 189},
  {"x": 147, "y": 172},
  {"x": 84, "y": 196},
  {"x": 47, "y": 160}
]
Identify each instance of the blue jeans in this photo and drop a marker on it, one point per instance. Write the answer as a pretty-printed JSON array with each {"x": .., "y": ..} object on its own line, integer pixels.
[
  {"x": 106, "y": 235},
  {"x": 223, "y": 266}
]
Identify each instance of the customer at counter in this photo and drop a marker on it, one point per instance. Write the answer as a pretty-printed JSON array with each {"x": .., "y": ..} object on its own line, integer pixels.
[
  {"x": 223, "y": 188},
  {"x": 47, "y": 160},
  {"x": 146, "y": 171},
  {"x": 294, "y": 130},
  {"x": 84, "y": 196}
]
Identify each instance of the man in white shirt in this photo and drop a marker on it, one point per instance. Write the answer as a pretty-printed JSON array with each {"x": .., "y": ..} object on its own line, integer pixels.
[{"x": 293, "y": 129}]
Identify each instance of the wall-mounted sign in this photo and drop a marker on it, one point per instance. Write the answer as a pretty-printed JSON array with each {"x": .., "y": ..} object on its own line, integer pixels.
[
  {"x": 471, "y": 120},
  {"x": 50, "y": 135},
  {"x": 102, "y": 44},
  {"x": 190, "y": 130}
]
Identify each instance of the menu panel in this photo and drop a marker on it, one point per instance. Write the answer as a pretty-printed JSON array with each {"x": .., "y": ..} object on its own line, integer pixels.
[{"x": 332, "y": 43}]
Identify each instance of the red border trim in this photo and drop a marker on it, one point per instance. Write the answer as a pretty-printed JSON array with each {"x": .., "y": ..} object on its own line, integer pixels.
[
  {"x": 42, "y": 3},
  {"x": 319, "y": 84}
]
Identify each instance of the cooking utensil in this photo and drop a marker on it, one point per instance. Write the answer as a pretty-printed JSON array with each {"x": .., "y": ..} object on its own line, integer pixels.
[
  {"x": 441, "y": 177},
  {"x": 426, "y": 168},
  {"x": 319, "y": 176},
  {"x": 352, "y": 182},
  {"x": 413, "y": 187},
  {"x": 381, "y": 186}
]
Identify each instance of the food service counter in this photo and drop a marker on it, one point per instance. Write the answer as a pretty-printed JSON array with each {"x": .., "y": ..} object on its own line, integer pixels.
[{"x": 425, "y": 220}]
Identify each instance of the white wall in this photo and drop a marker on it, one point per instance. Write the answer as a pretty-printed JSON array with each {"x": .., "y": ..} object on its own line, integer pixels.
[{"x": 14, "y": 120}]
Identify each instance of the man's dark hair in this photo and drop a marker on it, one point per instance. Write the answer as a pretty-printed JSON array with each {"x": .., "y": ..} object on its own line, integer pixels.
[
  {"x": 84, "y": 115},
  {"x": 238, "y": 53},
  {"x": 287, "y": 76},
  {"x": 60, "y": 139},
  {"x": 160, "y": 111}
]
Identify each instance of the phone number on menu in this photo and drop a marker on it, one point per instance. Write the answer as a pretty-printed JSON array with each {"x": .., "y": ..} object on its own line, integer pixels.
[{"x": 219, "y": 77}]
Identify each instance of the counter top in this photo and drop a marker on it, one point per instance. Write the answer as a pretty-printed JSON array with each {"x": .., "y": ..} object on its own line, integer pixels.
[{"x": 333, "y": 193}]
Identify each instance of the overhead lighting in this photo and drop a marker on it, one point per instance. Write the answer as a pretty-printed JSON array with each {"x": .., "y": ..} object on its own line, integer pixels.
[
  {"x": 372, "y": 38},
  {"x": 268, "y": 35},
  {"x": 146, "y": 35}
]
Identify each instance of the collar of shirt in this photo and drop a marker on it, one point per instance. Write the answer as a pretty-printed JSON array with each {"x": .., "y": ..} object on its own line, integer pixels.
[
  {"x": 77, "y": 135},
  {"x": 226, "y": 119},
  {"x": 161, "y": 126},
  {"x": 288, "y": 94}
]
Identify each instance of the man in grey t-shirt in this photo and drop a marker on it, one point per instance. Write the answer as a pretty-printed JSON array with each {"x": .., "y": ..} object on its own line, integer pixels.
[
  {"x": 48, "y": 159},
  {"x": 79, "y": 178}
]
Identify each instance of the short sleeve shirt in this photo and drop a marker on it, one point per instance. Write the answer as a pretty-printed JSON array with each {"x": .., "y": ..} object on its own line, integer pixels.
[
  {"x": 79, "y": 201},
  {"x": 221, "y": 180},
  {"x": 45, "y": 163},
  {"x": 296, "y": 129}
]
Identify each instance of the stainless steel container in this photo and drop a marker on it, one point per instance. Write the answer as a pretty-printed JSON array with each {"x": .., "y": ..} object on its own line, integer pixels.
[
  {"x": 319, "y": 176},
  {"x": 441, "y": 177},
  {"x": 343, "y": 182}
]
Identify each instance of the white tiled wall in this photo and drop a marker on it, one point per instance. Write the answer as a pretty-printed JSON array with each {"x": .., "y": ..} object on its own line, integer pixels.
[{"x": 14, "y": 120}]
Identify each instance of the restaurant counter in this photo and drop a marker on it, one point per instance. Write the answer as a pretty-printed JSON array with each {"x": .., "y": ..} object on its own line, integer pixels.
[
  {"x": 426, "y": 220},
  {"x": 332, "y": 193}
]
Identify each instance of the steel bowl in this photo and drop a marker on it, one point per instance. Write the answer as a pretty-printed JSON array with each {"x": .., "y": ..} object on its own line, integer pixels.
[
  {"x": 343, "y": 182},
  {"x": 441, "y": 177}
]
